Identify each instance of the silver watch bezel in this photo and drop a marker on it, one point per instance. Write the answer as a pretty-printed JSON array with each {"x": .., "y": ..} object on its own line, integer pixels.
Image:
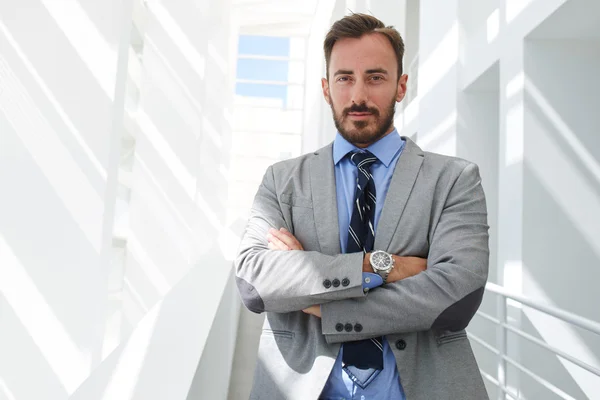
[{"x": 382, "y": 270}]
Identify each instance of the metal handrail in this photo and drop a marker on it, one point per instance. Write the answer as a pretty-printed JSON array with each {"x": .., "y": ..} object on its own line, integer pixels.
[
  {"x": 501, "y": 351},
  {"x": 566, "y": 316},
  {"x": 540, "y": 343}
]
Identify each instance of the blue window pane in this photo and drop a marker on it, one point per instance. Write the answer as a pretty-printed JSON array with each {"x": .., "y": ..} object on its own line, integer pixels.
[
  {"x": 264, "y": 45},
  {"x": 264, "y": 70},
  {"x": 258, "y": 90}
]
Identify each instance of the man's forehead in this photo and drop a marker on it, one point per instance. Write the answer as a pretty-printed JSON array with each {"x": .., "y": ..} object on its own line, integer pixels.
[{"x": 369, "y": 51}]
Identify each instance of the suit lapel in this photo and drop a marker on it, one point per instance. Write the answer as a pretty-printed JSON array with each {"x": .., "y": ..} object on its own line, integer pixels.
[
  {"x": 403, "y": 180},
  {"x": 322, "y": 179}
]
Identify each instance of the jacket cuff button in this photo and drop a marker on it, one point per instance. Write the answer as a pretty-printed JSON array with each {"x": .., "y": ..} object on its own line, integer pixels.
[
  {"x": 327, "y": 283},
  {"x": 400, "y": 344},
  {"x": 358, "y": 328},
  {"x": 348, "y": 327},
  {"x": 339, "y": 327},
  {"x": 345, "y": 282},
  {"x": 335, "y": 282}
]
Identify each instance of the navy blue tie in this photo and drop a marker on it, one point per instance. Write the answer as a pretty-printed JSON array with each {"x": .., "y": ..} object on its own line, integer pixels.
[{"x": 368, "y": 353}]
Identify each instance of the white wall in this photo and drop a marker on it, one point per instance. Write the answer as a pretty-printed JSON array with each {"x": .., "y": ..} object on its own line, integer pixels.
[
  {"x": 113, "y": 173},
  {"x": 561, "y": 209},
  {"x": 58, "y": 69}
]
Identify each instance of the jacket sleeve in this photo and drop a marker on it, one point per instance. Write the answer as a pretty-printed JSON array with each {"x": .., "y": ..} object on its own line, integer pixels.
[
  {"x": 285, "y": 281},
  {"x": 447, "y": 294}
]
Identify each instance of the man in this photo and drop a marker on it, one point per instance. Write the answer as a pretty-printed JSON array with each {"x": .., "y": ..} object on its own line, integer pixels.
[{"x": 369, "y": 256}]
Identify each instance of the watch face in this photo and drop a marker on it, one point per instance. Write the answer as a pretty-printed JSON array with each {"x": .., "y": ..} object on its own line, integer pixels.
[{"x": 380, "y": 260}]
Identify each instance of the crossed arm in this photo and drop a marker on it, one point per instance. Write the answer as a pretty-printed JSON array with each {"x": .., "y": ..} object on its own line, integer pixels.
[
  {"x": 443, "y": 296},
  {"x": 404, "y": 267}
]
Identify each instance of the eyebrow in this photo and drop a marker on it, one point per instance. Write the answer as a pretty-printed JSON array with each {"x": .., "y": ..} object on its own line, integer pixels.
[
  {"x": 369, "y": 71},
  {"x": 376, "y": 71}
]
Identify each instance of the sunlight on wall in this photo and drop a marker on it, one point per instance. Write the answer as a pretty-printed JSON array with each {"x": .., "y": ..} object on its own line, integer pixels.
[
  {"x": 4, "y": 390},
  {"x": 428, "y": 139},
  {"x": 4, "y": 77},
  {"x": 81, "y": 32},
  {"x": 151, "y": 270},
  {"x": 562, "y": 127},
  {"x": 441, "y": 60},
  {"x": 54, "y": 160},
  {"x": 556, "y": 167},
  {"x": 185, "y": 179},
  {"x": 179, "y": 38},
  {"x": 126, "y": 373},
  {"x": 70, "y": 364},
  {"x": 513, "y": 280},
  {"x": 514, "y": 8},
  {"x": 493, "y": 25}
]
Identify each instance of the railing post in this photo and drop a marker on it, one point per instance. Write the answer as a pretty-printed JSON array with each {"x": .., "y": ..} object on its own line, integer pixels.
[{"x": 502, "y": 347}]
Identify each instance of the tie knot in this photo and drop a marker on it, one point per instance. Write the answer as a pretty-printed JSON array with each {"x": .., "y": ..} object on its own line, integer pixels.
[{"x": 362, "y": 159}]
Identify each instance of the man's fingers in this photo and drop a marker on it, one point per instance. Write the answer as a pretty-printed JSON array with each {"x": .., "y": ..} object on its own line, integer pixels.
[
  {"x": 279, "y": 245},
  {"x": 287, "y": 238},
  {"x": 295, "y": 244}
]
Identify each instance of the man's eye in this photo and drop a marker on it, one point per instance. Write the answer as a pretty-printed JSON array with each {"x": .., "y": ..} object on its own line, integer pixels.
[
  {"x": 377, "y": 78},
  {"x": 343, "y": 79}
]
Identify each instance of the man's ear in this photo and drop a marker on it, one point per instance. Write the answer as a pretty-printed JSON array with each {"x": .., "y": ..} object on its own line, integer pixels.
[
  {"x": 325, "y": 87},
  {"x": 401, "y": 87}
]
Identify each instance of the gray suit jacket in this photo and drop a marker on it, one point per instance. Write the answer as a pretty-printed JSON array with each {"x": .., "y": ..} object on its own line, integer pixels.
[{"x": 435, "y": 208}]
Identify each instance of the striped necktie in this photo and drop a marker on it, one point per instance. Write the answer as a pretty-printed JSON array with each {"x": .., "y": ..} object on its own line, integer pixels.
[{"x": 363, "y": 354}]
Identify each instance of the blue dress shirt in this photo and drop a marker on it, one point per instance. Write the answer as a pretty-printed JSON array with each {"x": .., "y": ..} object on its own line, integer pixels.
[{"x": 386, "y": 384}]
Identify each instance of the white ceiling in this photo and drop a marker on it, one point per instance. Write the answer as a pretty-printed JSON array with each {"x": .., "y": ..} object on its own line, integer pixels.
[{"x": 275, "y": 17}]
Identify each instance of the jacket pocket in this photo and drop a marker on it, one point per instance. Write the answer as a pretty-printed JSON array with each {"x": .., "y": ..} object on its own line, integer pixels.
[
  {"x": 278, "y": 333},
  {"x": 449, "y": 336}
]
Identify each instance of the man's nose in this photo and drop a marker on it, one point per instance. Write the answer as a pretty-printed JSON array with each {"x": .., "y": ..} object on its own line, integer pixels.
[{"x": 360, "y": 93}]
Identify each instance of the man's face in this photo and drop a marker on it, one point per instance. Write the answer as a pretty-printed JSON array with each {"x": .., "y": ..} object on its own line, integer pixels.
[{"x": 363, "y": 88}]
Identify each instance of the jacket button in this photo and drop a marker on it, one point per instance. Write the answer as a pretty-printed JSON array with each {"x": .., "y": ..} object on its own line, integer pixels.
[
  {"x": 358, "y": 328},
  {"x": 345, "y": 282},
  {"x": 400, "y": 344},
  {"x": 339, "y": 327},
  {"x": 327, "y": 283},
  {"x": 335, "y": 282},
  {"x": 348, "y": 327}
]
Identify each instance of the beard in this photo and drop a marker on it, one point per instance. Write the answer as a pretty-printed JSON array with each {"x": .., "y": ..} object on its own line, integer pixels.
[{"x": 364, "y": 133}]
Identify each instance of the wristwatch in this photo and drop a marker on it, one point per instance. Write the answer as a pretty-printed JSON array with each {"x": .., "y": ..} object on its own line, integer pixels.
[{"x": 382, "y": 263}]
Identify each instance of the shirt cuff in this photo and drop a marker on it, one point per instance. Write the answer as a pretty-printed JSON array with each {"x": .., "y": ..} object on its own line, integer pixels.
[{"x": 371, "y": 280}]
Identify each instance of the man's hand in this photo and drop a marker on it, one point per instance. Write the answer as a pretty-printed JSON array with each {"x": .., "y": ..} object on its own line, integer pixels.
[
  {"x": 313, "y": 310},
  {"x": 282, "y": 239},
  {"x": 404, "y": 267}
]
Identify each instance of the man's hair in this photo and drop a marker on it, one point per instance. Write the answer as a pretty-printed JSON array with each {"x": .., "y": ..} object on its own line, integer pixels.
[{"x": 357, "y": 25}]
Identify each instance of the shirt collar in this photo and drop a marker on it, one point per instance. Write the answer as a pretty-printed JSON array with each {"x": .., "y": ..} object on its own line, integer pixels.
[{"x": 384, "y": 149}]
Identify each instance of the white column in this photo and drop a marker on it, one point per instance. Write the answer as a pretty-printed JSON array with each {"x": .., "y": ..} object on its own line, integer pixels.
[
  {"x": 510, "y": 194},
  {"x": 438, "y": 75}
]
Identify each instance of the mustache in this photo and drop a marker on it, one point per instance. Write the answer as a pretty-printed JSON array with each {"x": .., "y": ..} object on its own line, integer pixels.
[{"x": 361, "y": 109}]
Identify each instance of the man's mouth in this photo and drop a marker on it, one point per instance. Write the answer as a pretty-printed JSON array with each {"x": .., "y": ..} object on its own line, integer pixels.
[{"x": 359, "y": 115}]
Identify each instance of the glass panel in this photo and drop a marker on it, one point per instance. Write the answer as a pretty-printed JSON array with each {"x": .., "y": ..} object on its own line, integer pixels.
[
  {"x": 264, "y": 45},
  {"x": 263, "y": 70}
]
